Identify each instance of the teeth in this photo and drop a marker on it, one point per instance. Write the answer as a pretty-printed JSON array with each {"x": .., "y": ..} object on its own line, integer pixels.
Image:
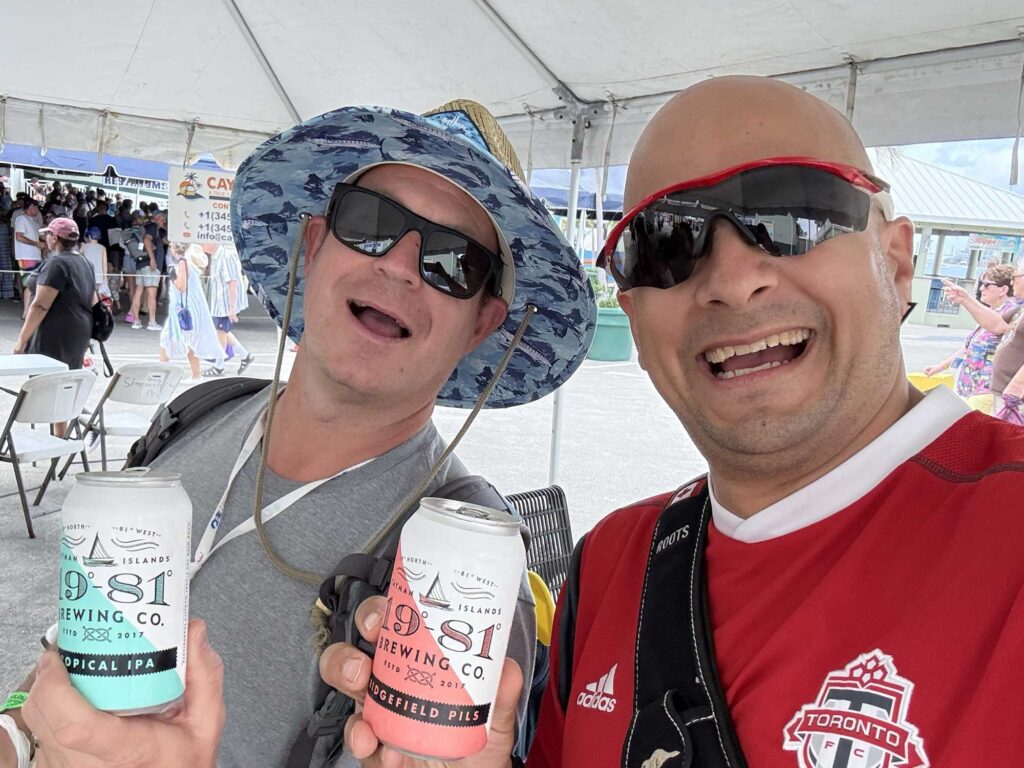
[
  {"x": 747, "y": 371},
  {"x": 721, "y": 354}
]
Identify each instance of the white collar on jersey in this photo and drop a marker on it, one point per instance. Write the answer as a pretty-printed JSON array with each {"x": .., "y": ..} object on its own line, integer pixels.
[{"x": 852, "y": 479}]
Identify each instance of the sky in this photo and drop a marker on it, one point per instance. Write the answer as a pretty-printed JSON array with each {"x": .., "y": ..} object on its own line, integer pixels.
[{"x": 986, "y": 160}]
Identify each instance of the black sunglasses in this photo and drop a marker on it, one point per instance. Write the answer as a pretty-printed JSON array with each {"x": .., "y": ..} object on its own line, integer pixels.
[{"x": 371, "y": 223}]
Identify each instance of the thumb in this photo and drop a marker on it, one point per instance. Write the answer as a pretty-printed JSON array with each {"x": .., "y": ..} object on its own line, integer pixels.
[
  {"x": 503, "y": 720},
  {"x": 60, "y": 715}
]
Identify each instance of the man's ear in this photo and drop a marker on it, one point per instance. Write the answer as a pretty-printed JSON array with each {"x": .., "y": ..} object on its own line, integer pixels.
[
  {"x": 626, "y": 302},
  {"x": 316, "y": 233},
  {"x": 898, "y": 246},
  {"x": 492, "y": 314}
]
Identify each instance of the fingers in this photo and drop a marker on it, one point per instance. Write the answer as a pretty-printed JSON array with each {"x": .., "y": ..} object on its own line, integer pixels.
[
  {"x": 503, "y": 720},
  {"x": 204, "y": 684},
  {"x": 347, "y": 669},
  {"x": 63, "y": 720},
  {"x": 368, "y": 616},
  {"x": 360, "y": 738}
]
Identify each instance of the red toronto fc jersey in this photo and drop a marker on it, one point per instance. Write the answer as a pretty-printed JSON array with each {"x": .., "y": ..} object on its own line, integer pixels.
[{"x": 887, "y": 634}]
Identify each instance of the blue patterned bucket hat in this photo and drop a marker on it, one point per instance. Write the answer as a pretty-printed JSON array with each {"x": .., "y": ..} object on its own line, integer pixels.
[{"x": 296, "y": 171}]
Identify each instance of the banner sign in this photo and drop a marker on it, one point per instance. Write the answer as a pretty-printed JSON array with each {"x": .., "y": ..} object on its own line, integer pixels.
[
  {"x": 199, "y": 206},
  {"x": 128, "y": 181},
  {"x": 1000, "y": 243}
]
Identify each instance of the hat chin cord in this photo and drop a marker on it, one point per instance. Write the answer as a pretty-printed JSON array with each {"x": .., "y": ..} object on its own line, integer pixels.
[{"x": 308, "y": 576}]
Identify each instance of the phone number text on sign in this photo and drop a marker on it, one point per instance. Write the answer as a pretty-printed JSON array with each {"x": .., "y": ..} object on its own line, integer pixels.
[{"x": 199, "y": 207}]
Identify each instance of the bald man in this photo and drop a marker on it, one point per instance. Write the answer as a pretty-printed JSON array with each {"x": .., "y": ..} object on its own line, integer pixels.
[{"x": 844, "y": 588}]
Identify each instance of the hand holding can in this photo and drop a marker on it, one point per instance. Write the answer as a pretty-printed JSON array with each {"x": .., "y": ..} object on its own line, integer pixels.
[
  {"x": 71, "y": 732},
  {"x": 445, "y": 629},
  {"x": 347, "y": 669}
]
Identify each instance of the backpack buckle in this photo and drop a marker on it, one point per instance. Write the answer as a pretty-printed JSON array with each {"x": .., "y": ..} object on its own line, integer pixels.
[{"x": 331, "y": 717}]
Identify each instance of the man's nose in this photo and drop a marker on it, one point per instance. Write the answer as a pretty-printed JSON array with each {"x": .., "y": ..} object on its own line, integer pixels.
[
  {"x": 733, "y": 271},
  {"x": 402, "y": 261}
]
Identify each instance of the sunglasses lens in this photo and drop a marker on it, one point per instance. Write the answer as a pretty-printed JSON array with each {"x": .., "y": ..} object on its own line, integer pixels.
[
  {"x": 785, "y": 209},
  {"x": 454, "y": 264},
  {"x": 367, "y": 223},
  {"x": 371, "y": 224}
]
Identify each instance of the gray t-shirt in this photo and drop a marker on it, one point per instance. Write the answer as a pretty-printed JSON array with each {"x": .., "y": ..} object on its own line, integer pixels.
[{"x": 258, "y": 618}]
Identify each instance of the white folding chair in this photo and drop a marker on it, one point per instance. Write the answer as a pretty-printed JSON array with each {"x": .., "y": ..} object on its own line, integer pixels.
[
  {"x": 133, "y": 384},
  {"x": 45, "y": 399}
]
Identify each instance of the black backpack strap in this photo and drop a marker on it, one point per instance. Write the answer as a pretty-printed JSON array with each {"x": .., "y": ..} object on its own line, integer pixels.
[
  {"x": 185, "y": 410},
  {"x": 333, "y": 707},
  {"x": 368, "y": 575},
  {"x": 680, "y": 705},
  {"x": 567, "y": 625},
  {"x": 679, "y": 702}
]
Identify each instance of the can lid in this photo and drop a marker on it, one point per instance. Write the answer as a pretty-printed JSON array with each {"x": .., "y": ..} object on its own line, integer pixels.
[
  {"x": 137, "y": 476},
  {"x": 497, "y": 521}
]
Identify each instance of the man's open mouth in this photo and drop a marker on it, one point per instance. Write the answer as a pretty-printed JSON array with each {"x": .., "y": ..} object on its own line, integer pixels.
[
  {"x": 378, "y": 322},
  {"x": 773, "y": 351}
]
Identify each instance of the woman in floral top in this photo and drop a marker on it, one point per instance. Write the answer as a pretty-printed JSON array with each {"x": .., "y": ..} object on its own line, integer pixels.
[{"x": 974, "y": 361}]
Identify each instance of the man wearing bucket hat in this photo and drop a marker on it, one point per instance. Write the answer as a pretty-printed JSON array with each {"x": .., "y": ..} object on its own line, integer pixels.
[{"x": 426, "y": 262}]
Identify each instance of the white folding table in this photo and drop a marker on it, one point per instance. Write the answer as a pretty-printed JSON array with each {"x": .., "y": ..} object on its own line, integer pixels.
[{"x": 28, "y": 365}]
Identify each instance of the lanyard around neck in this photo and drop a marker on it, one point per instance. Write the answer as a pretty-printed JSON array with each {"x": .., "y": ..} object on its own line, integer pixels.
[{"x": 208, "y": 544}]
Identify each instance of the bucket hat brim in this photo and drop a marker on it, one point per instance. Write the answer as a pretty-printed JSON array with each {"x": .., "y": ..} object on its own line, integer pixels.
[{"x": 296, "y": 172}]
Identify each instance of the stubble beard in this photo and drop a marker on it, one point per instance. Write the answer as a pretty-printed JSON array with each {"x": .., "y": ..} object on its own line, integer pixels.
[{"x": 792, "y": 443}]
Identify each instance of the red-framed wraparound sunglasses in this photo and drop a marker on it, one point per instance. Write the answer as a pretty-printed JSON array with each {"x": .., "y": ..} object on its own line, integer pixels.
[{"x": 784, "y": 205}]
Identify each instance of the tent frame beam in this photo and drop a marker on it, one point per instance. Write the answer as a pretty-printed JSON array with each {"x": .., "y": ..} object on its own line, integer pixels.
[
  {"x": 864, "y": 67},
  {"x": 563, "y": 91},
  {"x": 97, "y": 112},
  {"x": 275, "y": 81}
]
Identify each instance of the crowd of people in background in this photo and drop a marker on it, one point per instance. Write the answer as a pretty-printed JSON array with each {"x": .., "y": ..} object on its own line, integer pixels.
[{"x": 134, "y": 268}]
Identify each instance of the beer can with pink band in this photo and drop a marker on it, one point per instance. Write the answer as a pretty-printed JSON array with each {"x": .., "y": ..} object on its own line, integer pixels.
[{"x": 445, "y": 630}]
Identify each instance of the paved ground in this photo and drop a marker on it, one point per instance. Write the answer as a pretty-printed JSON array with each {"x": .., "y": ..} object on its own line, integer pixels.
[{"x": 619, "y": 443}]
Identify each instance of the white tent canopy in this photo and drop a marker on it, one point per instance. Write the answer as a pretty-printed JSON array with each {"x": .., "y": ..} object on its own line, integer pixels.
[{"x": 164, "y": 78}]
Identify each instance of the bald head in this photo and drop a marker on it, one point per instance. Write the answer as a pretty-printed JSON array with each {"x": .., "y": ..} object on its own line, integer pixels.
[{"x": 727, "y": 121}]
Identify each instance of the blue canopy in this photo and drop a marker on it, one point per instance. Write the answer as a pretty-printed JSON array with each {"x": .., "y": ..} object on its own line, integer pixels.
[
  {"x": 88, "y": 162},
  {"x": 552, "y": 185}
]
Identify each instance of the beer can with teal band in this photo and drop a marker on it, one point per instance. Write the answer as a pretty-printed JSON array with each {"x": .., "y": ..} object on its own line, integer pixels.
[{"x": 123, "y": 607}]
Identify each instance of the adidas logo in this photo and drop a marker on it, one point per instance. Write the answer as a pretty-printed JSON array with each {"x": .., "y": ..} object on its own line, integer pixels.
[{"x": 600, "y": 695}]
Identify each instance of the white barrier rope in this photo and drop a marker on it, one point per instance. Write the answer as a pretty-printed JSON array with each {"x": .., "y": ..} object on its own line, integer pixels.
[{"x": 109, "y": 274}]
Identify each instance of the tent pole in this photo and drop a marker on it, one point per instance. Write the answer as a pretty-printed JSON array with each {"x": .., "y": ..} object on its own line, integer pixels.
[
  {"x": 574, "y": 190},
  {"x": 851, "y": 88}
]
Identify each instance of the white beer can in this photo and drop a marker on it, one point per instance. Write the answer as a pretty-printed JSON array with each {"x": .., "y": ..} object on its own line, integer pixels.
[
  {"x": 446, "y": 627},
  {"x": 123, "y": 607}
]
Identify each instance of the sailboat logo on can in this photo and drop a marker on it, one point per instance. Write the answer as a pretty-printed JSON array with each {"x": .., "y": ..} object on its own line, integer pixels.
[
  {"x": 98, "y": 556},
  {"x": 435, "y": 597}
]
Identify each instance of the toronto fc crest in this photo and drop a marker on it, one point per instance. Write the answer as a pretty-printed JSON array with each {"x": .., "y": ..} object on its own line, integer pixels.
[{"x": 859, "y": 720}]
